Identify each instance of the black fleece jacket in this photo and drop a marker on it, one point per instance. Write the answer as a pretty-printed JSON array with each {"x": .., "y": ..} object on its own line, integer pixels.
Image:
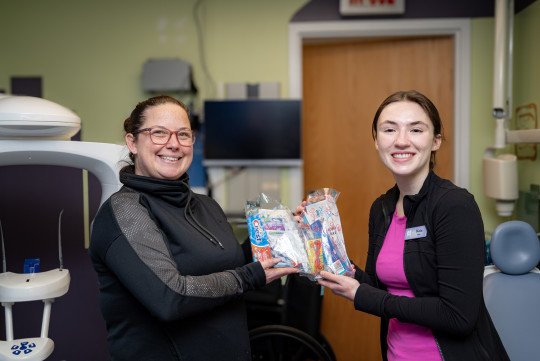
[
  {"x": 171, "y": 274},
  {"x": 444, "y": 270}
]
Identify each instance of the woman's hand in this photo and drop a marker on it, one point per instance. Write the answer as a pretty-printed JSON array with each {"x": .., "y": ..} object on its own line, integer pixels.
[
  {"x": 341, "y": 285},
  {"x": 273, "y": 274},
  {"x": 299, "y": 210}
]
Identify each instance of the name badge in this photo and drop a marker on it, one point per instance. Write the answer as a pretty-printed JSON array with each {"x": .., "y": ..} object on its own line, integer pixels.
[{"x": 415, "y": 232}]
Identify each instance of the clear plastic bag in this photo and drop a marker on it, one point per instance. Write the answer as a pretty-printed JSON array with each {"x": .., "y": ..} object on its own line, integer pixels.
[
  {"x": 273, "y": 233},
  {"x": 320, "y": 220},
  {"x": 311, "y": 245}
]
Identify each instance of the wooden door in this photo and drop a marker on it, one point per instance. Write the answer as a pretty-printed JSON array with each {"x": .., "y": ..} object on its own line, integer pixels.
[{"x": 343, "y": 84}]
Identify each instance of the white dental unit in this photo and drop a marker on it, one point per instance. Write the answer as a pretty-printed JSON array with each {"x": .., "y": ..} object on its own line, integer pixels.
[
  {"x": 500, "y": 172},
  {"x": 35, "y": 131}
]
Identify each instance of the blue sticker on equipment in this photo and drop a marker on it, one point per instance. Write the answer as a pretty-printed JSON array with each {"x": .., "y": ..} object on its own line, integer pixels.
[{"x": 31, "y": 265}]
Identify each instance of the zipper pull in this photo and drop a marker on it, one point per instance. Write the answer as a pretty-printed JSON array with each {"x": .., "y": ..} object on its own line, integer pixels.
[{"x": 216, "y": 242}]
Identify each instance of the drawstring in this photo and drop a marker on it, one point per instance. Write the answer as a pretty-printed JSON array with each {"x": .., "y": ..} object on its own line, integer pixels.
[{"x": 195, "y": 224}]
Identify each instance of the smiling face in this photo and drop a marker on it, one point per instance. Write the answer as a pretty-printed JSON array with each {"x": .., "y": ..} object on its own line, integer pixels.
[
  {"x": 168, "y": 161},
  {"x": 405, "y": 139}
]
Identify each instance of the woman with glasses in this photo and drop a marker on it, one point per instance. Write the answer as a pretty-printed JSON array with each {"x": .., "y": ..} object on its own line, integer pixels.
[
  {"x": 170, "y": 270},
  {"x": 424, "y": 270}
]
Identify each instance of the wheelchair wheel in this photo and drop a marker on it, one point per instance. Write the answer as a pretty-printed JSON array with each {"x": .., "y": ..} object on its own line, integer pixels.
[
  {"x": 284, "y": 343},
  {"x": 326, "y": 345}
]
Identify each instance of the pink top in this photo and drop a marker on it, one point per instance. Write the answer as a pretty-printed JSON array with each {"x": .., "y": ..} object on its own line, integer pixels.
[{"x": 406, "y": 341}]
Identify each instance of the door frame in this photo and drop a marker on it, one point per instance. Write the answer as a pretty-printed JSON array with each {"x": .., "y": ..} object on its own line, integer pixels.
[{"x": 459, "y": 28}]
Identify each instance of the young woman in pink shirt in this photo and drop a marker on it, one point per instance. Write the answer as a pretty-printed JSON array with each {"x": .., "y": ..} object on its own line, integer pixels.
[{"x": 424, "y": 270}]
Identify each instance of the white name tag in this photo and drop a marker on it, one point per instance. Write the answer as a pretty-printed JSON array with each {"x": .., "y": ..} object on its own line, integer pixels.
[{"x": 415, "y": 232}]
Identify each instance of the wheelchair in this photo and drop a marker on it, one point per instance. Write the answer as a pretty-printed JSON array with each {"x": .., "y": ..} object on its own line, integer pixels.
[{"x": 284, "y": 320}]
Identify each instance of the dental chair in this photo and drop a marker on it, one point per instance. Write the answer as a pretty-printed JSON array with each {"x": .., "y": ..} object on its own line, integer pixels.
[{"x": 512, "y": 289}]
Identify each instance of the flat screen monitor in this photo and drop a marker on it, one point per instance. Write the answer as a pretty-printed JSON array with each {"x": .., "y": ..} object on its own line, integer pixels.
[{"x": 252, "y": 133}]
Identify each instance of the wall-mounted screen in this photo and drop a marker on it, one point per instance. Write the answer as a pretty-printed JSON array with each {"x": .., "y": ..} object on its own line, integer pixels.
[{"x": 252, "y": 133}]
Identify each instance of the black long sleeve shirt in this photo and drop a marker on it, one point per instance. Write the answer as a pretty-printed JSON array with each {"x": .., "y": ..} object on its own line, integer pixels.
[
  {"x": 444, "y": 269},
  {"x": 171, "y": 281}
]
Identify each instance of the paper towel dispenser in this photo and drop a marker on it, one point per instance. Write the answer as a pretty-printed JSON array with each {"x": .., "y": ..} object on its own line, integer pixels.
[{"x": 163, "y": 75}]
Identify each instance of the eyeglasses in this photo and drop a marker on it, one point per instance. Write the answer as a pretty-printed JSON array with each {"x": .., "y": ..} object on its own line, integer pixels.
[{"x": 162, "y": 136}]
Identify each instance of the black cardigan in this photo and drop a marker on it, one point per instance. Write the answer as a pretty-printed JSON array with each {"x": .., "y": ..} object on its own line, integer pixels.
[
  {"x": 171, "y": 274},
  {"x": 444, "y": 270}
]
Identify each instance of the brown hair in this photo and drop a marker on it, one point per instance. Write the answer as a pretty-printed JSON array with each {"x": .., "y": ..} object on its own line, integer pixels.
[{"x": 420, "y": 99}]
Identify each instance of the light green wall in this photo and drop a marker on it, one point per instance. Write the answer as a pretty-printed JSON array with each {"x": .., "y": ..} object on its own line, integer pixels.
[
  {"x": 482, "y": 123},
  {"x": 526, "y": 90},
  {"x": 90, "y": 53},
  {"x": 527, "y": 80}
]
